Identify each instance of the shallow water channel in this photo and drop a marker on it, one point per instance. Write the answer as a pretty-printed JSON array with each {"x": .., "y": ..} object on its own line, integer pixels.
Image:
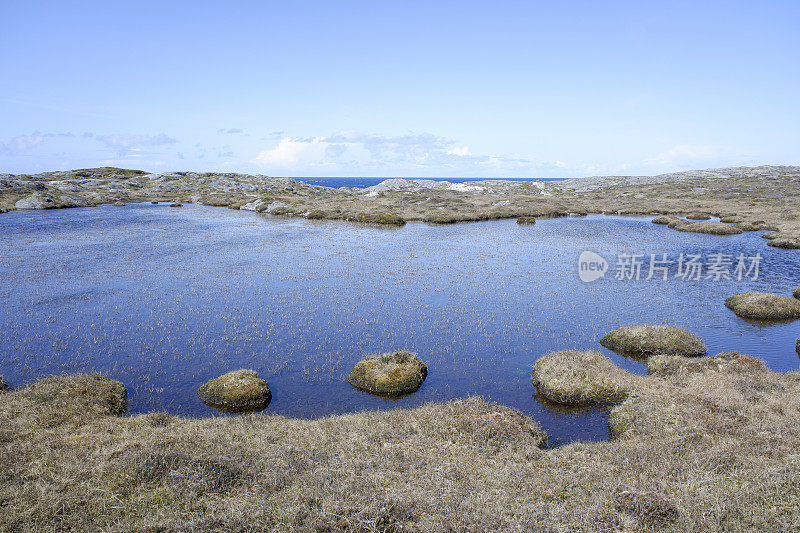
[{"x": 164, "y": 299}]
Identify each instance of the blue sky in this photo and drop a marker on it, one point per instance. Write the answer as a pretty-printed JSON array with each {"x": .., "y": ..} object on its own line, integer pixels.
[{"x": 485, "y": 89}]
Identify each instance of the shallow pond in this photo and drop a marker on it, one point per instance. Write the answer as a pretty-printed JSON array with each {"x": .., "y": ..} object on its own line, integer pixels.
[{"x": 164, "y": 299}]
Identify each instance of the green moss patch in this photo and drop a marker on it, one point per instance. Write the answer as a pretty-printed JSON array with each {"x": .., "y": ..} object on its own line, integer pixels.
[
  {"x": 574, "y": 377},
  {"x": 646, "y": 340},
  {"x": 526, "y": 221},
  {"x": 391, "y": 374},
  {"x": 237, "y": 391},
  {"x": 764, "y": 306}
]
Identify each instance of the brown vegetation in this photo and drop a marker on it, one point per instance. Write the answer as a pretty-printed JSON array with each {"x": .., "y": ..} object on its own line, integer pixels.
[
  {"x": 573, "y": 377},
  {"x": 763, "y": 306},
  {"x": 391, "y": 374},
  {"x": 651, "y": 340}
]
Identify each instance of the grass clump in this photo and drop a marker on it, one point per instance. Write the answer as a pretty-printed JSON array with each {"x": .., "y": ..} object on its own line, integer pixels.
[
  {"x": 646, "y": 340},
  {"x": 386, "y": 219},
  {"x": 709, "y": 228},
  {"x": 698, "y": 216},
  {"x": 391, "y": 374},
  {"x": 526, "y": 221},
  {"x": 317, "y": 214},
  {"x": 763, "y": 306},
  {"x": 664, "y": 219},
  {"x": 787, "y": 243},
  {"x": 796, "y": 293},
  {"x": 667, "y": 365},
  {"x": 176, "y": 204},
  {"x": 237, "y": 391},
  {"x": 574, "y": 377},
  {"x": 3, "y": 385}
]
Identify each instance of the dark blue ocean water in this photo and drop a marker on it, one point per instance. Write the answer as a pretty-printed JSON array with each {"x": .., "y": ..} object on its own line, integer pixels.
[
  {"x": 369, "y": 182},
  {"x": 164, "y": 299}
]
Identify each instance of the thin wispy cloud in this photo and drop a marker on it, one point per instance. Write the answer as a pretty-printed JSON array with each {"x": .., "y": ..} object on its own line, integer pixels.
[{"x": 125, "y": 144}]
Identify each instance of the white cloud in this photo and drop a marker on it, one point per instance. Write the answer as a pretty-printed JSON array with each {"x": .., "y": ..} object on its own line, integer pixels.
[
  {"x": 461, "y": 152},
  {"x": 124, "y": 144},
  {"x": 293, "y": 153}
]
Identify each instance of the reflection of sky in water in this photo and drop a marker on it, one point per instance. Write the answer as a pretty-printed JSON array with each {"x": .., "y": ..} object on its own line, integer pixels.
[{"x": 164, "y": 299}]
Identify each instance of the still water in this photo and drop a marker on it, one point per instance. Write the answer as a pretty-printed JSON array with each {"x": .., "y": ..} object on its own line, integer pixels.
[{"x": 164, "y": 299}]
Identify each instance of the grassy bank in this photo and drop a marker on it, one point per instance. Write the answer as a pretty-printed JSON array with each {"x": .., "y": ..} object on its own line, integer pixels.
[{"x": 714, "y": 448}]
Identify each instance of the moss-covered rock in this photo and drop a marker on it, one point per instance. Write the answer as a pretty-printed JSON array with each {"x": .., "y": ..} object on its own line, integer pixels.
[
  {"x": 526, "y": 221},
  {"x": 390, "y": 374},
  {"x": 643, "y": 341},
  {"x": 664, "y": 219},
  {"x": 709, "y": 228},
  {"x": 763, "y": 306},
  {"x": 698, "y": 216},
  {"x": 119, "y": 203},
  {"x": 237, "y": 391},
  {"x": 576, "y": 377},
  {"x": 317, "y": 214},
  {"x": 667, "y": 365}
]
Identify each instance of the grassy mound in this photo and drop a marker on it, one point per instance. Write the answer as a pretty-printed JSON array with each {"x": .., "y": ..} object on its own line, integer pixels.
[
  {"x": 651, "y": 340},
  {"x": 665, "y": 365},
  {"x": 317, "y": 214},
  {"x": 709, "y": 228},
  {"x": 796, "y": 293},
  {"x": 237, "y": 391},
  {"x": 526, "y": 221},
  {"x": 763, "y": 306},
  {"x": 577, "y": 378},
  {"x": 390, "y": 374},
  {"x": 664, "y": 219},
  {"x": 176, "y": 204},
  {"x": 698, "y": 216},
  {"x": 387, "y": 219},
  {"x": 787, "y": 243}
]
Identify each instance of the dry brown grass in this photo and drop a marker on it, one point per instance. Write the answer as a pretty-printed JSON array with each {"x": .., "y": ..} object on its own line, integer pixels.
[
  {"x": 574, "y": 377},
  {"x": 709, "y": 228},
  {"x": 763, "y": 306},
  {"x": 707, "y": 451},
  {"x": 700, "y": 451},
  {"x": 642, "y": 341}
]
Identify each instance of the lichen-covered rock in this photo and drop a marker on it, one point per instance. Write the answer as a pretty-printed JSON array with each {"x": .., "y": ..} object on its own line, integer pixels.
[
  {"x": 763, "y": 306},
  {"x": 651, "y": 340},
  {"x": 576, "y": 377},
  {"x": 667, "y": 365},
  {"x": 390, "y": 374},
  {"x": 526, "y": 221},
  {"x": 709, "y": 228},
  {"x": 237, "y": 391}
]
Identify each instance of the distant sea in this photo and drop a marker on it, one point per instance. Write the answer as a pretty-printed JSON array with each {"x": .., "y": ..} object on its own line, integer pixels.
[{"x": 369, "y": 182}]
